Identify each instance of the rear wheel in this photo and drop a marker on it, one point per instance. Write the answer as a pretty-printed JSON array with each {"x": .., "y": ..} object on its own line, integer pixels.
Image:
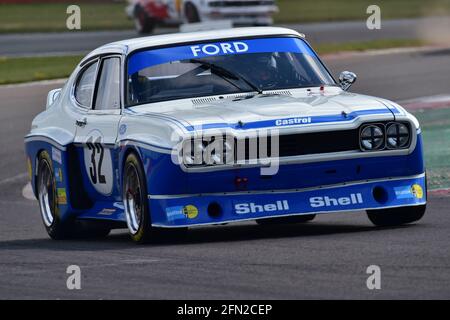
[
  {"x": 191, "y": 12},
  {"x": 286, "y": 220},
  {"x": 143, "y": 23},
  {"x": 48, "y": 204},
  {"x": 396, "y": 216}
]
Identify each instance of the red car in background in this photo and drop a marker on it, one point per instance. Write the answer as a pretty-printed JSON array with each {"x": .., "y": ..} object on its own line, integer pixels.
[{"x": 149, "y": 13}]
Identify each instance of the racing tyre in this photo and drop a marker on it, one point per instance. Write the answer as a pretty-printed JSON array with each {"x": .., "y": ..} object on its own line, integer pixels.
[
  {"x": 396, "y": 216},
  {"x": 286, "y": 220},
  {"x": 136, "y": 202},
  {"x": 143, "y": 23},
  {"x": 48, "y": 205},
  {"x": 191, "y": 12}
]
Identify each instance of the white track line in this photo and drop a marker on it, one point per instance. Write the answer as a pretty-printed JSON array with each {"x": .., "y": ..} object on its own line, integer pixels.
[
  {"x": 13, "y": 179},
  {"x": 27, "y": 192}
]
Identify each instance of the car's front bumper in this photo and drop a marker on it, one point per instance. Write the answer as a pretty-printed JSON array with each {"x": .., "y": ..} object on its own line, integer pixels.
[{"x": 192, "y": 210}]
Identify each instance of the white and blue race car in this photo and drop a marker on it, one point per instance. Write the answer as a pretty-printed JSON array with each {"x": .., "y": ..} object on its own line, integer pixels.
[{"x": 183, "y": 130}]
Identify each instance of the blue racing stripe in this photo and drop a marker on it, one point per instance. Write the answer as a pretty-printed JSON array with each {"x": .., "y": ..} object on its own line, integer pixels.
[{"x": 284, "y": 122}]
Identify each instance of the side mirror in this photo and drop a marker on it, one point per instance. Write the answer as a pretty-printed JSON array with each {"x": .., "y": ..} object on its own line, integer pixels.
[
  {"x": 346, "y": 79},
  {"x": 52, "y": 96}
]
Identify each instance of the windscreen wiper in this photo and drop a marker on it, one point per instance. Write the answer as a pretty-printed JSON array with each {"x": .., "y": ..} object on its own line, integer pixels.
[{"x": 221, "y": 71}]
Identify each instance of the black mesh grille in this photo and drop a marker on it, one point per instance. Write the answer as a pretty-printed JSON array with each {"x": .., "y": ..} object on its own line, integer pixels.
[{"x": 307, "y": 143}]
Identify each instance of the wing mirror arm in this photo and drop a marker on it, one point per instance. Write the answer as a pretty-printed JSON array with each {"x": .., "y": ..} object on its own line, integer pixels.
[{"x": 346, "y": 79}]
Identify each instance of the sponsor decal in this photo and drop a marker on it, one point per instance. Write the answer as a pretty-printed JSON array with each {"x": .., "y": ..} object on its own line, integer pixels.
[
  {"x": 318, "y": 202},
  {"x": 293, "y": 121},
  {"x": 61, "y": 195},
  {"x": 403, "y": 192},
  {"x": 29, "y": 168},
  {"x": 220, "y": 48},
  {"x": 56, "y": 155},
  {"x": 190, "y": 211},
  {"x": 251, "y": 207},
  {"x": 122, "y": 129},
  {"x": 144, "y": 59},
  {"x": 409, "y": 192},
  {"x": 417, "y": 191},
  {"x": 107, "y": 212},
  {"x": 175, "y": 213},
  {"x": 58, "y": 175},
  {"x": 181, "y": 212}
]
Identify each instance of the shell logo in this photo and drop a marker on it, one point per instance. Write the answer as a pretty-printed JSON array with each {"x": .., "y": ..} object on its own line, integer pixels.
[
  {"x": 190, "y": 211},
  {"x": 417, "y": 191}
]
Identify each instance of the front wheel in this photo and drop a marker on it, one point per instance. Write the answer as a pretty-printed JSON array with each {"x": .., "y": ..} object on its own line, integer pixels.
[
  {"x": 396, "y": 216},
  {"x": 135, "y": 198},
  {"x": 192, "y": 14}
]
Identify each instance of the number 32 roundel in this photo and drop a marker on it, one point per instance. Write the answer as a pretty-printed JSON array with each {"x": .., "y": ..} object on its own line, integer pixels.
[{"x": 98, "y": 164}]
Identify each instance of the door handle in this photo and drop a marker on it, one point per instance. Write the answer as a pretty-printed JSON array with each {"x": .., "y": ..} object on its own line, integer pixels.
[{"x": 81, "y": 122}]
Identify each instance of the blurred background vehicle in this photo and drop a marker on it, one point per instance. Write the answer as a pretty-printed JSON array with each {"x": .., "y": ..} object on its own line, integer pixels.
[{"x": 147, "y": 14}]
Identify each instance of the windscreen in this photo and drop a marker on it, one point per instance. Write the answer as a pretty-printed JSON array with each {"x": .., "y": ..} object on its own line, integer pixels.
[{"x": 222, "y": 68}]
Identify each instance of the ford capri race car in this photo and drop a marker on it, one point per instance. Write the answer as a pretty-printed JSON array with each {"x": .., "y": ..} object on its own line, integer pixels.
[{"x": 183, "y": 130}]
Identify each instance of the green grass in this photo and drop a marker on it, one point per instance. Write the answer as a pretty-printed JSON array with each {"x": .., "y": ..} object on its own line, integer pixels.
[
  {"x": 334, "y": 10},
  {"x": 52, "y": 17},
  {"x": 327, "y": 48},
  {"x": 111, "y": 16},
  {"x": 436, "y": 135},
  {"x": 16, "y": 70}
]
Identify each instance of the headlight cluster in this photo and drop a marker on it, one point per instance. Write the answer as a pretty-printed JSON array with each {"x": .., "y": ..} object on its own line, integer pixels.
[
  {"x": 380, "y": 136},
  {"x": 208, "y": 151}
]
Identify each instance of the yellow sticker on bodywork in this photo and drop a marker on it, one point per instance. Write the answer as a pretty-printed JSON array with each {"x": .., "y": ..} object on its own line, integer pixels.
[
  {"x": 62, "y": 196},
  {"x": 417, "y": 191}
]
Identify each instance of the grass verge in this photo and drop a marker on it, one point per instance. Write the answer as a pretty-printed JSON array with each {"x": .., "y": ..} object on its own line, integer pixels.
[
  {"x": 16, "y": 70},
  {"x": 294, "y": 11},
  {"x": 45, "y": 17},
  {"x": 49, "y": 17}
]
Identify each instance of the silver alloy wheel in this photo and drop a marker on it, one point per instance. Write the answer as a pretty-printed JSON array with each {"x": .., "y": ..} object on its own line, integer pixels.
[
  {"x": 132, "y": 199},
  {"x": 46, "y": 193}
]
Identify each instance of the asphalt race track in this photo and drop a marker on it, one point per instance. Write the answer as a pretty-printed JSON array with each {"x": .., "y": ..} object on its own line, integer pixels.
[
  {"x": 326, "y": 258},
  {"x": 82, "y": 42}
]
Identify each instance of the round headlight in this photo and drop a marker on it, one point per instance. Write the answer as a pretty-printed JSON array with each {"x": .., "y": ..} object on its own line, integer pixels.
[
  {"x": 372, "y": 138},
  {"x": 397, "y": 135}
]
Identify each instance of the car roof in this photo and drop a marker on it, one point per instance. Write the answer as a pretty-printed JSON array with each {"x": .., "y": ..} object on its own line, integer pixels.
[{"x": 130, "y": 45}]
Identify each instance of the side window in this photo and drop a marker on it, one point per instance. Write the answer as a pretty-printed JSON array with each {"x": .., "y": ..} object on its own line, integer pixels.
[
  {"x": 85, "y": 86},
  {"x": 108, "y": 90}
]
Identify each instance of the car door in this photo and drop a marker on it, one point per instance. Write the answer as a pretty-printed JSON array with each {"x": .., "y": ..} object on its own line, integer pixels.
[{"x": 97, "y": 129}]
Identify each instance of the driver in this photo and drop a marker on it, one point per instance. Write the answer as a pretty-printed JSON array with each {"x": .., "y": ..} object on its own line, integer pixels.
[{"x": 261, "y": 69}]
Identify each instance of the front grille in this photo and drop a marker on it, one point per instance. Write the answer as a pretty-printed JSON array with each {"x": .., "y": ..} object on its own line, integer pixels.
[
  {"x": 302, "y": 144},
  {"x": 216, "y": 4}
]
